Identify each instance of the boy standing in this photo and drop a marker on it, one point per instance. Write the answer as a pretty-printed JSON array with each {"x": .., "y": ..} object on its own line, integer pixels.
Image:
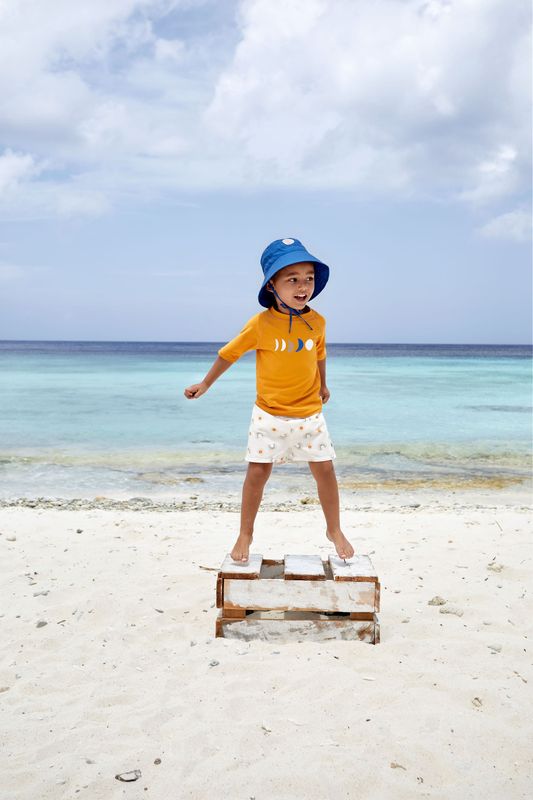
[{"x": 287, "y": 422}]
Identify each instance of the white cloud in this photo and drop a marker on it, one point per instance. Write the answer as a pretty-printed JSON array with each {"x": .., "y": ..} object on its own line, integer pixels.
[
  {"x": 514, "y": 226},
  {"x": 497, "y": 176},
  {"x": 320, "y": 93},
  {"x": 169, "y": 50},
  {"x": 102, "y": 102},
  {"x": 14, "y": 168},
  {"x": 28, "y": 190}
]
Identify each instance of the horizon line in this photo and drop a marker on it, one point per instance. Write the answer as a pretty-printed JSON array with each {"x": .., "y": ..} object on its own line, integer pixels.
[{"x": 221, "y": 341}]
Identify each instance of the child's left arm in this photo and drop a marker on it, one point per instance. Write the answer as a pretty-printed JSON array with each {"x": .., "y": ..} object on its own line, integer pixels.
[{"x": 324, "y": 391}]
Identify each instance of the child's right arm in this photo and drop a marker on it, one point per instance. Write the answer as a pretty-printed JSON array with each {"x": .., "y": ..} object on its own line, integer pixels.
[
  {"x": 198, "y": 389},
  {"x": 246, "y": 340}
]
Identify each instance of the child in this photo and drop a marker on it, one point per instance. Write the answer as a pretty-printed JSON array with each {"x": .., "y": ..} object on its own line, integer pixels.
[{"x": 287, "y": 422}]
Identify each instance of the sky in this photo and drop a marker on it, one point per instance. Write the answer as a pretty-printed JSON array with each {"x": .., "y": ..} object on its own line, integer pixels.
[{"x": 151, "y": 149}]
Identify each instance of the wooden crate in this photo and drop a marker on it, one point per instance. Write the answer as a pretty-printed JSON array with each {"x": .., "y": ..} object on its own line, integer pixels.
[{"x": 298, "y": 597}]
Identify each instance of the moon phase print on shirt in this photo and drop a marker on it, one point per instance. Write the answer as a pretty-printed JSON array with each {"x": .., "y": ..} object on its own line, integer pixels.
[{"x": 292, "y": 347}]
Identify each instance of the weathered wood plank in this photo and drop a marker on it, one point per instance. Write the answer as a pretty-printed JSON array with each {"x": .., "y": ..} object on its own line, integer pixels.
[
  {"x": 357, "y": 568},
  {"x": 287, "y": 630},
  {"x": 220, "y": 591},
  {"x": 304, "y": 568},
  {"x": 234, "y": 569},
  {"x": 233, "y": 613},
  {"x": 310, "y": 595}
]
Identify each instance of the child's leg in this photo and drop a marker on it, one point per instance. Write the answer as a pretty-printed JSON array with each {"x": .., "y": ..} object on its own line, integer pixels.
[
  {"x": 252, "y": 492},
  {"x": 328, "y": 493}
]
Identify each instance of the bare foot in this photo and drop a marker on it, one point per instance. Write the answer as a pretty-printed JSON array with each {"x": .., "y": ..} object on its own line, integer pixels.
[
  {"x": 342, "y": 545},
  {"x": 241, "y": 548}
]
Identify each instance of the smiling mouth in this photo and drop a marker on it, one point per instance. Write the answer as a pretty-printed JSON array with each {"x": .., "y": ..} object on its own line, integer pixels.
[{"x": 300, "y": 297}]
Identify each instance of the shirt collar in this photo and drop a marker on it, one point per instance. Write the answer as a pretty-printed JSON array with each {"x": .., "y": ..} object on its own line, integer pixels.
[{"x": 281, "y": 315}]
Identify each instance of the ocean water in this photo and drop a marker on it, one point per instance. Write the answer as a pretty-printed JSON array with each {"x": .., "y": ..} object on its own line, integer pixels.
[{"x": 79, "y": 419}]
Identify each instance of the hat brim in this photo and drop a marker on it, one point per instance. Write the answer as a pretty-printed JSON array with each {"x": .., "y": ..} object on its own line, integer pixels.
[{"x": 266, "y": 298}]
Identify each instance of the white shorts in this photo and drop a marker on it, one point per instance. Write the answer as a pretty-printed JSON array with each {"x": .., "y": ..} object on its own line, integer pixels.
[{"x": 276, "y": 440}]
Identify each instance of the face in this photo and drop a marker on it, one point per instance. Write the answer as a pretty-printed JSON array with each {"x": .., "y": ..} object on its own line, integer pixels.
[{"x": 295, "y": 284}]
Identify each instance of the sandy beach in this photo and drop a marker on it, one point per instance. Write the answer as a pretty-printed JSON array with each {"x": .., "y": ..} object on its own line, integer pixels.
[{"x": 110, "y": 664}]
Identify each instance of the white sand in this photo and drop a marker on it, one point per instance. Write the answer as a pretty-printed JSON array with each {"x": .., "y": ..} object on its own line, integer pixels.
[{"x": 110, "y": 684}]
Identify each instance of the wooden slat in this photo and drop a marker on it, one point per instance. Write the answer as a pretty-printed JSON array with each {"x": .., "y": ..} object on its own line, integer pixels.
[
  {"x": 304, "y": 568},
  {"x": 309, "y": 595},
  {"x": 370, "y": 615},
  {"x": 286, "y": 630},
  {"x": 234, "y": 613},
  {"x": 220, "y": 591},
  {"x": 233, "y": 569},
  {"x": 357, "y": 568}
]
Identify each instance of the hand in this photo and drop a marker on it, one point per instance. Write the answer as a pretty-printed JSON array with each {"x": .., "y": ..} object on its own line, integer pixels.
[
  {"x": 324, "y": 394},
  {"x": 196, "y": 390}
]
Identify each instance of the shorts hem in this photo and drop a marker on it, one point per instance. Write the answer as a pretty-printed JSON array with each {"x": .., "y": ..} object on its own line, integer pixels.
[
  {"x": 288, "y": 460},
  {"x": 304, "y": 460}
]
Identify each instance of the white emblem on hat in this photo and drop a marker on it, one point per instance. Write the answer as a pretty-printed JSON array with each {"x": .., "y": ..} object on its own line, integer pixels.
[{"x": 288, "y": 241}]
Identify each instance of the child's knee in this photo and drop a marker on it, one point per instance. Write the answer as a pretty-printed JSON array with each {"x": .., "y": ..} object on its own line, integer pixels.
[
  {"x": 321, "y": 469},
  {"x": 258, "y": 472}
]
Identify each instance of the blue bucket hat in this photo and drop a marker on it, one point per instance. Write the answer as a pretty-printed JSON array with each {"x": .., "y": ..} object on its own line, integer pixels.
[{"x": 283, "y": 253}]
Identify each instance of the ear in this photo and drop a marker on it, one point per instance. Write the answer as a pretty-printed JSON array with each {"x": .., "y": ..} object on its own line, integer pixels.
[{"x": 268, "y": 286}]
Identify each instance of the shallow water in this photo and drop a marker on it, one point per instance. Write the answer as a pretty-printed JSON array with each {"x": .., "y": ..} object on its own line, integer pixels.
[{"x": 79, "y": 419}]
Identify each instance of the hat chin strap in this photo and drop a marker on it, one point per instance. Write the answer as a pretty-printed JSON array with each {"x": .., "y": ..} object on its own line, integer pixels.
[{"x": 290, "y": 309}]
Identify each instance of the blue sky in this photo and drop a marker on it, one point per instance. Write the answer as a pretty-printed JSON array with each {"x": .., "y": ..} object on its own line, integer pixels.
[{"x": 149, "y": 151}]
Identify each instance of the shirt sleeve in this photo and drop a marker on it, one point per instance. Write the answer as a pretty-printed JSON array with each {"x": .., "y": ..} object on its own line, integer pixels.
[
  {"x": 246, "y": 340},
  {"x": 321, "y": 344}
]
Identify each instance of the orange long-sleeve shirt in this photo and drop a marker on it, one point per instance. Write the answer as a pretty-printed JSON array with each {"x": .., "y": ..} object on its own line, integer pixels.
[{"x": 287, "y": 375}]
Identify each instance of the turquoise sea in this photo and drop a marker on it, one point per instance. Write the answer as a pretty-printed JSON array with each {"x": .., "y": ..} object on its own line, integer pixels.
[{"x": 79, "y": 419}]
